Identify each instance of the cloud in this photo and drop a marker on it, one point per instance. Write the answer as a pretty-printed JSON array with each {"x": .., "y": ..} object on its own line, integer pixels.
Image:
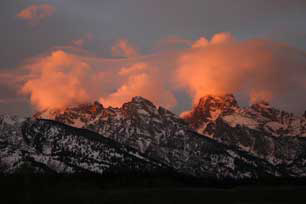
[
  {"x": 140, "y": 81},
  {"x": 262, "y": 70},
  {"x": 62, "y": 79},
  {"x": 58, "y": 80},
  {"x": 202, "y": 42},
  {"x": 218, "y": 38},
  {"x": 132, "y": 69},
  {"x": 35, "y": 13},
  {"x": 122, "y": 48},
  {"x": 258, "y": 69}
]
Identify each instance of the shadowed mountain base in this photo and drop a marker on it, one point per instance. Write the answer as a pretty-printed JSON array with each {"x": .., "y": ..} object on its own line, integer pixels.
[{"x": 144, "y": 189}]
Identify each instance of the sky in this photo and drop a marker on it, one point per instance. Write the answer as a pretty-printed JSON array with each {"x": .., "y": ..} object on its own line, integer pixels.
[{"x": 56, "y": 53}]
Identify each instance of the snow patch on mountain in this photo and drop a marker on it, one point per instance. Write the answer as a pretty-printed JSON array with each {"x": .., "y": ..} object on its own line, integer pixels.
[
  {"x": 237, "y": 119},
  {"x": 159, "y": 134}
]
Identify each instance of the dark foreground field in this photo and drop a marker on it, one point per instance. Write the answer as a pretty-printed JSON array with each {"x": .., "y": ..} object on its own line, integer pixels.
[{"x": 144, "y": 190}]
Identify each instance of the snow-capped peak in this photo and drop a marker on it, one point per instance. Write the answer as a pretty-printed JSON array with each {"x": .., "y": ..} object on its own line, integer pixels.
[
  {"x": 260, "y": 116},
  {"x": 261, "y": 106},
  {"x": 161, "y": 135},
  {"x": 76, "y": 115},
  {"x": 225, "y": 102},
  {"x": 94, "y": 107},
  {"x": 139, "y": 105},
  {"x": 140, "y": 99},
  {"x": 204, "y": 115},
  {"x": 140, "y": 102}
]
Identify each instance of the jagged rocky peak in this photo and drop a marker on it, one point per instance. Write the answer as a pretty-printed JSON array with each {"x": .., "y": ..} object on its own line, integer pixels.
[
  {"x": 145, "y": 104},
  {"x": 204, "y": 115},
  {"x": 97, "y": 106},
  {"x": 139, "y": 105},
  {"x": 211, "y": 106},
  {"x": 261, "y": 105},
  {"x": 75, "y": 115},
  {"x": 141, "y": 102},
  {"x": 88, "y": 108},
  {"x": 264, "y": 109},
  {"x": 224, "y": 103}
]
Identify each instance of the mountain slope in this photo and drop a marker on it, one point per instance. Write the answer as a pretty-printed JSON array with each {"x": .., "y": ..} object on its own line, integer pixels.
[
  {"x": 266, "y": 132},
  {"x": 11, "y": 143},
  {"x": 163, "y": 136},
  {"x": 50, "y": 147}
]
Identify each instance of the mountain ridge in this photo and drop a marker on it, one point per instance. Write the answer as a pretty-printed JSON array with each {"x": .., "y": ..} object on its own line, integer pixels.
[
  {"x": 66, "y": 150},
  {"x": 266, "y": 132},
  {"x": 234, "y": 148},
  {"x": 140, "y": 116}
]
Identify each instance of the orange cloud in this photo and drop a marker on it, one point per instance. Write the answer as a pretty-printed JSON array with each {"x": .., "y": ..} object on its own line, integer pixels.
[
  {"x": 122, "y": 48},
  {"x": 259, "y": 69},
  {"x": 62, "y": 79},
  {"x": 218, "y": 38},
  {"x": 222, "y": 38},
  {"x": 263, "y": 70},
  {"x": 142, "y": 84},
  {"x": 133, "y": 69},
  {"x": 202, "y": 42},
  {"x": 58, "y": 81},
  {"x": 36, "y": 13}
]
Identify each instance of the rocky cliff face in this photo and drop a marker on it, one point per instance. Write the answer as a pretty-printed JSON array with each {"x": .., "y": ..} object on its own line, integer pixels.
[
  {"x": 268, "y": 133},
  {"x": 163, "y": 136},
  {"x": 217, "y": 139},
  {"x": 44, "y": 146},
  {"x": 259, "y": 116},
  {"x": 204, "y": 115}
]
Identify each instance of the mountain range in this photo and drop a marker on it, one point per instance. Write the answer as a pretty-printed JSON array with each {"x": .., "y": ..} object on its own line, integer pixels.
[{"x": 217, "y": 139}]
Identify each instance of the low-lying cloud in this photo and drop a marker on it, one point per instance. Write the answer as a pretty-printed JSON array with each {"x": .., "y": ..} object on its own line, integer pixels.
[
  {"x": 258, "y": 69},
  {"x": 58, "y": 80},
  {"x": 262, "y": 70}
]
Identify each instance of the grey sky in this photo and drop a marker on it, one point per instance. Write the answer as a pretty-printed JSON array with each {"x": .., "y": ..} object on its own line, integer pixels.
[{"x": 143, "y": 23}]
